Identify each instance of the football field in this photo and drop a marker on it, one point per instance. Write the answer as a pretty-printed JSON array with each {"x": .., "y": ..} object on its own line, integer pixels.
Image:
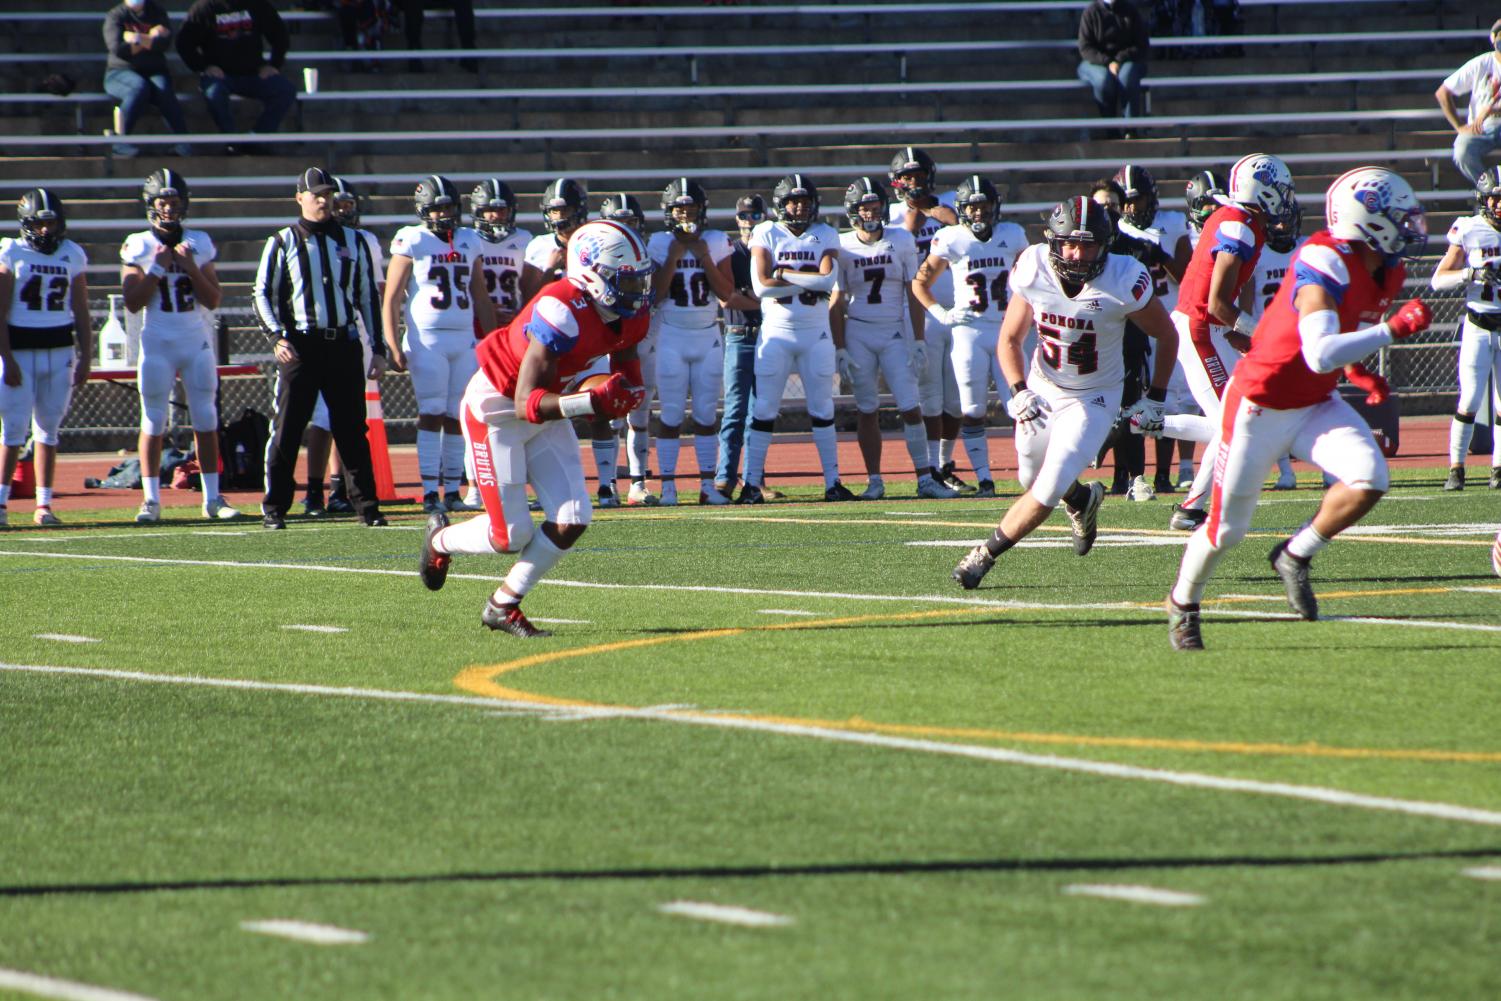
[{"x": 770, "y": 753}]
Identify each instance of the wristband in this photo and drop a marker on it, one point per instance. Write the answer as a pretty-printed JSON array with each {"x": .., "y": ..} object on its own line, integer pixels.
[
  {"x": 156, "y": 270},
  {"x": 1017, "y": 387},
  {"x": 1244, "y": 325},
  {"x": 534, "y": 405},
  {"x": 576, "y": 405},
  {"x": 938, "y": 313},
  {"x": 1157, "y": 395}
]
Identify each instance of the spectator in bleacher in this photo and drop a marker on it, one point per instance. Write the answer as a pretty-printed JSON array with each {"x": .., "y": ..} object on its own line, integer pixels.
[
  {"x": 1480, "y": 133},
  {"x": 1113, "y": 47},
  {"x": 224, "y": 42},
  {"x": 412, "y": 12},
  {"x": 136, "y": 33}
]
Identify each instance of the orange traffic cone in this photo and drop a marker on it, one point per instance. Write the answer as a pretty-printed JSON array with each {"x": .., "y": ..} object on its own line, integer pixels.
[
  {"x": 23, "y": 484},
  {"x": 380, "y": 451}
]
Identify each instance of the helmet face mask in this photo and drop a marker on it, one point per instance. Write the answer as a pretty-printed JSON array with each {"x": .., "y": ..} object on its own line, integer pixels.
[
  {"x": 685, "y": 206},
  {"x": 796, "y": 202},
  {"x": 610, "y": 261},
  {"x": 1079, "y": 232},
  {"x": 1200, "y": 197},
  {"x": 1283, "y": 233},
  {"x": 437, "y": 203},
  {"x": 1140, "y": 191},
  {"x": 166, "y": 198},
  {"x": 1376, "y": 206},
  {"x": 865, "y": 203},
  {"x": 913, "y": 174},
  {"x": 624, "y": 209},
  {"x": 1488, "y": 196},
  {"x": 493, "y": 206},
  {"x": 978, "y": 202},
  {"x": 344, "y": 203},
  {"x": 565, "y": 207},
  {"x": 43, "y": 222}
]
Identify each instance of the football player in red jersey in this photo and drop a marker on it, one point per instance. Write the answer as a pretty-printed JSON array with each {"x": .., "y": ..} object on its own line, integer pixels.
[
  {"x": 1281, "y": 398},
  {"x": 517, "y": 412}
]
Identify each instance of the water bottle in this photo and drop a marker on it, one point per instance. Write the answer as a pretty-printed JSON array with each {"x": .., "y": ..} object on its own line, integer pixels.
[{"x": 112, "y": 338}]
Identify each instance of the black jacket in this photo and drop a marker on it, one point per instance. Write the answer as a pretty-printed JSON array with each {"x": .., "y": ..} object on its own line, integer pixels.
[
  {"x": 121, "y": 19},
  {"x": 232, "y": 34},
  {"x": 1113, "y": 34}
]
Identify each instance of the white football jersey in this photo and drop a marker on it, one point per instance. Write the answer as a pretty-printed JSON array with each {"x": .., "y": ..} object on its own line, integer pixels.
[
  {"x": 806, "y": 310},
  {"x": 690, "y": 302},
  {"x": 1480, "y": 240},
  {"x": 503, "y": 260},
  {"x": 173, "y": 312},
  {"x": 1271, "y": 268},
  {"x": 42, "y": 296},
  {"x": 438, "y": 291},
  {"x": 539, "y": 251},
  {"x": 874, "y": 277},
  {"x": 1079, "y": 339},
  {"x": 981, "y": 267},
  {"x": 1170, "y": 227},
  {"x": 942, "y": 288}
]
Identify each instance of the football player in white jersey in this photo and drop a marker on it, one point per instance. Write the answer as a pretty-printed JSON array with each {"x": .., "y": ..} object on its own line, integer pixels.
[
  {"x": 794, "y": 265},
  {"x": 920, "y": 210},
  {"x": 867, "y": 313},
  {"x": 691, "y": 280},
  {"x": 344, "y": 204},
  {"x": 167, "y": 273},
  {"x": 1282, "y": 241},
  {"x": 45, "y": 340},
  {"x": 443, "y": 263},
  {"x": 980, "y": 250},
  {"x": 1079, "y": 296},
  {"x": 1473, "y": 261}
]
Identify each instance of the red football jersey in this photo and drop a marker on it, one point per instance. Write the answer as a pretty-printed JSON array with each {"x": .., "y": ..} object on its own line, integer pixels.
[
  {"x": 1274, "y": 373},
  {"x": 1229, "y": 228},
  {"x": 562, "y": 317}
]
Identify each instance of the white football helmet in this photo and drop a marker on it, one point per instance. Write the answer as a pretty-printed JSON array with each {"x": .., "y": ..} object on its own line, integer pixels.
[
  {"x": 610, "y": 261},
  {"x": 1260, "y": 181},
  {"x": 1377, "y": 206}
]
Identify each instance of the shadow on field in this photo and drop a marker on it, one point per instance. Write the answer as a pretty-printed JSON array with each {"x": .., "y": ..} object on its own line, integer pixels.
[{"x": 891, "y": 868}]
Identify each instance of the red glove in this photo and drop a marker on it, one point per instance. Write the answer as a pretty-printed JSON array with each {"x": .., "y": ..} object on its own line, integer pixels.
[
  {"x": 1377, "y": 389},
  {"x": 613, "y": 398},
  {"x": 1411, "y": 318}
]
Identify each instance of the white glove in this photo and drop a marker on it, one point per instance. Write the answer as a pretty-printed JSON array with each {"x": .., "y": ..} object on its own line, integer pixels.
[
  {"x": 958, "y": 316},
  {"x": 1145, "y": 417},
  {"x": 917, "y": 358},
  {"x": 1029, "y": 411},
  {"x": 1479, "y": 258},
  {"x": 844, "y": 364}
]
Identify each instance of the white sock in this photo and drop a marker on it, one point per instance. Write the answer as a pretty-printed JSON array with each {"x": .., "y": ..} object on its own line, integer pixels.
[
  {"x": 978, "y": 448},
  {"x": 429, "y": 459},
  {"x": 826, "y": 440},
  {"x": 706, "y": 448},
  {"x": 934, "y": 453},
  {"x": 917, "y": 446},
  {"x": 537, "y": 557},
  {"x": 4, "y": 493},
  {"x": 1199, "y": 558},
  {"x": 757, "y": 444},
  {"x": 1189, "y": 427},
  {"x": 667, "y": 456},
  {"x": 945, "y": 452},
  {"x": 210, "y": 485},
  {"x": 606, "y": 452},
  {"x": 1460, "y": 434},
  {"x": 471, "y": 537},
  {"x": 1307, "y": 543},
  {"x": 638, "y": 444},
  {"x": 43, "y": 496},
  {"x": 453, "y": 460},
  {"x": 151, "y": 486}
]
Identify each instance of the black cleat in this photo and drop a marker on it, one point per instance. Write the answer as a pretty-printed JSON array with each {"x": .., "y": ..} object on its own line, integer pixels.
[
  {"x": 1183, "y": 626},
  {"x": 838, "y": 492},
  {"x": 750, "y": 494},
  {"x": 508, "y": 619},
  {"x": 272, "y": 520},
  {"x": 374, "y": 519},
  {"x": 987, "y": 489},
  {"x": 1294, "y": 574},
  {"x": 1186, "y": 519},
  {"x": 1085, "y": 521},
  {"x": 312, "y": 507},
  {"x": 973, "y": 568},
  {"x": 1162, "y": 483},
  {"x": 339, "y": 504},
  {"x": 432, "y": 566},
  {"x": 951, "y": 480},
  {"x": 1456, "y": 480}
]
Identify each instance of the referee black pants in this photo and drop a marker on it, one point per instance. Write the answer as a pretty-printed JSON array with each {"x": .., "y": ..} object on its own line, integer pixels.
[{"x": 336, "y": 370}]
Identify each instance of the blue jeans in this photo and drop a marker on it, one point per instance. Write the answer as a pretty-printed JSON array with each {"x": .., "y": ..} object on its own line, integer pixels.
[
  {"x": 1470, "y": 151},
  {"x": 1115, "y": 94},
  {"x": 276, "y": 94},
  {"x": 132, "y": 91},
  {"x": 739, "y": 398}
]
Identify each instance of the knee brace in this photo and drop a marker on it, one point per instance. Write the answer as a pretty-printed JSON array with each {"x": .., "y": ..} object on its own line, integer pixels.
[
  {"x": 1465, "y": 418},
  {"x": 823, "y": 422},
  {"x": 759, "y": 425}
]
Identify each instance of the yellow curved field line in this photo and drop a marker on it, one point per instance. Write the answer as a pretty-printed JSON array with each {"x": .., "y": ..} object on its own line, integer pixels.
[{"x": 480, "y": 680}]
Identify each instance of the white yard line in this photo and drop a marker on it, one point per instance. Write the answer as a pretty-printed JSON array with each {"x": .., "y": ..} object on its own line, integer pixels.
[
  {"x": 783, "y": 611},
  {"x": 1104, "y": 540},
  {"x": 1134, "y": 894},
  {"x": 563, "y": 622},
  {"x": 724, "y": 914},
  {"x": 317, "y": 629},
  {"x": 304, "y": 931},
  {"x": 1484, "y": 872},
  {"x": 707, "y": 718},
  {"x": 65, "y": 638},
  {"x": 65, "y": 990}
]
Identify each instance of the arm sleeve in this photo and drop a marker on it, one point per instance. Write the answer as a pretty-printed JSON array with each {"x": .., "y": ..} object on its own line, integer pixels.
[
  {"x": 813, "y": 283},
  {"x": 267, "y": 292},
  {"x": 775, "y": 292},
  {"x": 1326, "y": 349}
]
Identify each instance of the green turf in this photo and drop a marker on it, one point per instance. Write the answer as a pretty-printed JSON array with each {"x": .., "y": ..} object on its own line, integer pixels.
[{"x": 507, "y": 852}]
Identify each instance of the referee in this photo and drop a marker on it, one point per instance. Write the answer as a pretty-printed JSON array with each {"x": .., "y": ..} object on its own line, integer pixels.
[{"x": 315, "y": 276}]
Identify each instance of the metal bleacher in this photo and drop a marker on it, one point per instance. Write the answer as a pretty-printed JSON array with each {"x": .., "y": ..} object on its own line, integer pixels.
[{"x": 623, "y": 97}]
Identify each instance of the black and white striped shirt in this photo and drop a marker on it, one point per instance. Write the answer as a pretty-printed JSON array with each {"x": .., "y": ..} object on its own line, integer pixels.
[{"x": 314, "y": 277}]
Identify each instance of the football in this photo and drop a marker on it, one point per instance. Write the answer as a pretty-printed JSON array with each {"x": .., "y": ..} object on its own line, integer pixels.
[{"x": 582, "y": 384}]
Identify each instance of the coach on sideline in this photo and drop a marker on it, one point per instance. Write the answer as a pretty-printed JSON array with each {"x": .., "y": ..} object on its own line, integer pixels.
[{"x": 315, "y": 276}]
